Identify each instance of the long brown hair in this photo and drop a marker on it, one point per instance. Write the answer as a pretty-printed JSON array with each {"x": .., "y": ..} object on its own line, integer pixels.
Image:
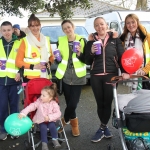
[
  {"x": 134, "y": 17},
  {"x": 33, "y": 18}
]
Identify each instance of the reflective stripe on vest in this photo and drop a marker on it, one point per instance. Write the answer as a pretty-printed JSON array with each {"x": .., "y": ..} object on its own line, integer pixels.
[
  {"x": 80, "y": 68},
  {"x": 11, "y": 69},
  {"x": 147, "y": 48},
  {"x": 33, "y": 56}
]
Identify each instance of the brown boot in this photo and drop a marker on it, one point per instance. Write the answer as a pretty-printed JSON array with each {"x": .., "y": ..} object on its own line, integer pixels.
[
  {"x": 75, "y": 127},
  {"x": 63, "y": 124}
]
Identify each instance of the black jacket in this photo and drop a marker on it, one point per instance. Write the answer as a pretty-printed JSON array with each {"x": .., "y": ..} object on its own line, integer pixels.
[
  {"x": 22, "y": 35},
  {"x": 109, "y": 60}
]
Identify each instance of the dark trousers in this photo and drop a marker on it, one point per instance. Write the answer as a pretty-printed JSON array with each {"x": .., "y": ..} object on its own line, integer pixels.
[
  {"x": 43, "y": 130},
  {"x": 103, "y": 94},
  {"x": 9, "y": 102},
  {"x": 72, "y": 95}
]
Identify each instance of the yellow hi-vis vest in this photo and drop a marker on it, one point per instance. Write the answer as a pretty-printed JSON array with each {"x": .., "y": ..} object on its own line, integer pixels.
[
  {"x": 80, "y": 68},
  {"x": 147, "y": 48},
  {"x": 33, "y": 56},
  {"x": 11, "y": 69}
]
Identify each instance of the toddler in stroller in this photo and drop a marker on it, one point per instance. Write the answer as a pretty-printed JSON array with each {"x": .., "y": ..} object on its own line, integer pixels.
[{"x": 47, "y": 112}]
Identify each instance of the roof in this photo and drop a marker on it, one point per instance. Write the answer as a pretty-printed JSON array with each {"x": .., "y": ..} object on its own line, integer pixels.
[{"x": 98, "y": 7}]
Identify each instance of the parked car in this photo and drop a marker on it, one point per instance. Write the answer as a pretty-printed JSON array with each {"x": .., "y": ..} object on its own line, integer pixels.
[
  {"x": 115, "y": 20},
  {"x": 56, "y": 31}
]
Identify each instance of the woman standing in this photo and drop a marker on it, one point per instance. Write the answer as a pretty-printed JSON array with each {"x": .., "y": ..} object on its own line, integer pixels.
[
  {"x": 135, "y": 35},
  {"x": 72, "y": 71},
  {"x": 34, "y": 48},
  {"x": 103, "y": 67}
]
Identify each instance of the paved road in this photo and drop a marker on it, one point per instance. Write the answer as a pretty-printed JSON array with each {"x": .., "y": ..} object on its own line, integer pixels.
[{"x": 88, "y": 122}]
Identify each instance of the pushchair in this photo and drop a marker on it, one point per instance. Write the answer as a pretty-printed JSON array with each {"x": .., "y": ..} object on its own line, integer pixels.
[
  {"x": 32, "y": 91},
  {"x": 131, "y": 116}
]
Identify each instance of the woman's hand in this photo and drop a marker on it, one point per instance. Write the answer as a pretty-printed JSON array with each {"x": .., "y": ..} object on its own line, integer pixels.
[
  {"x": 78, "y": 47},
  {"x": 93, "y": 49},
  {"x": 39, "y": 66},
  {"x": 140, "y": 72},
  {"x": 125, "y": 76},
  {"x": 17, "y": 77},
  {"x": 1, "y": 64}
]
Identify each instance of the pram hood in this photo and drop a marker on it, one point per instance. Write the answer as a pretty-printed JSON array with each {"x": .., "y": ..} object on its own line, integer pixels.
[{"x": 139, "y": 104}]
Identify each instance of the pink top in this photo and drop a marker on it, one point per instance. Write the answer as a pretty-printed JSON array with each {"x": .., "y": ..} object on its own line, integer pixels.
[{"x": 51, "y": 109}]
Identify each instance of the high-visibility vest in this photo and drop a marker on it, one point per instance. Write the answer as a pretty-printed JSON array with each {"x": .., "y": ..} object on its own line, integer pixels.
[
  {"x": 80, "y": 68},
  {"x": 147, "y": 50},
  {"x": 11, "y": 69},
  {"x": 33, "y": 56}
]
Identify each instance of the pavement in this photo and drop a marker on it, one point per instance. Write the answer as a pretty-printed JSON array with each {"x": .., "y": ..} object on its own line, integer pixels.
[{"x": 88, "y": 124}]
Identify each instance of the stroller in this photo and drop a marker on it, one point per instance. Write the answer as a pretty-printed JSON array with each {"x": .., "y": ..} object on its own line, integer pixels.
[
  {"x": 131, "y": 117},
  {"x": 32, "y": 91}
]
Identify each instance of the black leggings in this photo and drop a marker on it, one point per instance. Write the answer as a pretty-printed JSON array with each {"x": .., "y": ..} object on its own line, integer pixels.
[
  {"x": 103, "y": 94},
  {"x": 72, "y": 95}
]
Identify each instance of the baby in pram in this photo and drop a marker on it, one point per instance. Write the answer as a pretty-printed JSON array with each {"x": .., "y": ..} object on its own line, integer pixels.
[{"x": 47, "y": 113}]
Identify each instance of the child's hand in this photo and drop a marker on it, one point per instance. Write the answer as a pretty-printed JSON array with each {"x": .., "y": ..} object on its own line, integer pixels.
[
  {"x": 20, "y": 116},
  {"x": 46, "y": 118}
]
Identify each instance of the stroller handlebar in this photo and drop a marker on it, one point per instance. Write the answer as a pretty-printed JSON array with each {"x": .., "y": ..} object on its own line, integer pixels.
[{"x": 120, "y": 79}]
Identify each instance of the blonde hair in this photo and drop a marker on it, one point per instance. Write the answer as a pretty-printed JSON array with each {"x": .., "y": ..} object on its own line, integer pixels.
[
  {"x": 102, "y": 19},
  {"x": 51, "y": 90}
]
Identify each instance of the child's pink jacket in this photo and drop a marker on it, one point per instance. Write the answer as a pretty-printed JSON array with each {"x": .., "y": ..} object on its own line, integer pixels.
[{"x": 50, "y": 109}]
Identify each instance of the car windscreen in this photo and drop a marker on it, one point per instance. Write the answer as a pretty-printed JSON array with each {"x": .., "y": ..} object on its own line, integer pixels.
[{"x": 56, "y": 31}]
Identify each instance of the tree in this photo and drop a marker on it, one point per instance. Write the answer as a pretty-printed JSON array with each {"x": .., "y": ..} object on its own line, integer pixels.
[
  {"x": 141, "y": 5},
  {"x": 63, "y": 7},
  {"x": 12, "y": 7}
]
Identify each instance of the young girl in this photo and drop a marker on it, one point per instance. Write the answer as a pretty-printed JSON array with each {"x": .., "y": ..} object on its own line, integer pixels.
[{"x": 48, "y": 112}]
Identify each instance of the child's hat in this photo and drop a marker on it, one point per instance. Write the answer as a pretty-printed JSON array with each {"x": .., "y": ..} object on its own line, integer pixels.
[{"x": 16, "y": 26}]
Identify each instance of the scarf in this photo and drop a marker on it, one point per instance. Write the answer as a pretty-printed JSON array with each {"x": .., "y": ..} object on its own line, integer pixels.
[
  {"x": 41, "y": 46},
  {"x": 129, "y": 42}
]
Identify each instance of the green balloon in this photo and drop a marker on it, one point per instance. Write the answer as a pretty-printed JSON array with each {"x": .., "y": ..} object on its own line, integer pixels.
[{"x": 15, "y": 126}]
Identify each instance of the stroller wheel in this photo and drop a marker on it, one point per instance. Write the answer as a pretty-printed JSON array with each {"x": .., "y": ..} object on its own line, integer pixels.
[{"x": 26, "y": 145}]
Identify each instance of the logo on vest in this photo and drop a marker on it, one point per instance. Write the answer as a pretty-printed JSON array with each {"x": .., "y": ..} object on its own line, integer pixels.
[{"x": 34, "y": 55}]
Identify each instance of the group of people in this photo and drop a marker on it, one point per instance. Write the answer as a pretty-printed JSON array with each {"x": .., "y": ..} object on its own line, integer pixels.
[{"x": 27, "y": 52}]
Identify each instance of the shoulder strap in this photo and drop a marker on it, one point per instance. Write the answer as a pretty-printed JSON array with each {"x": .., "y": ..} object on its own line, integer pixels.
[{"x": 84, "y": 39}]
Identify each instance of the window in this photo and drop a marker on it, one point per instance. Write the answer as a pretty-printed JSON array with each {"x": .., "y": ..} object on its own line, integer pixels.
[{"x": 56, "y": 31}]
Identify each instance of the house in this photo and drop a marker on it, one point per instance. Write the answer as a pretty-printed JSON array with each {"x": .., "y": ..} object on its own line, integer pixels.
[{"x": 80, "y": 15}]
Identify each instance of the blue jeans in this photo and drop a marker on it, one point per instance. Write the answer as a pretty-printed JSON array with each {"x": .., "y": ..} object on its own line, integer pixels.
[
  {"x": 43, "y": 130},
  {"x": 9, "y": 102}
]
